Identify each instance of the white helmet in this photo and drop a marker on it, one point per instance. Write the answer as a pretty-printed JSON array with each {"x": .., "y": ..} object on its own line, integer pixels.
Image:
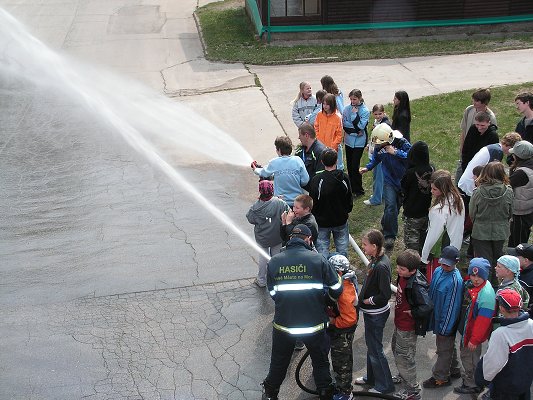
[
  {"x": 382, "y": 134},
  {"x": 339, "y": 262}
]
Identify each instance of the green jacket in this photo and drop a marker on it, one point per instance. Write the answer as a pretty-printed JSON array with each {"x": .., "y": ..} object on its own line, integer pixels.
[{"x": 491, "y": 209}]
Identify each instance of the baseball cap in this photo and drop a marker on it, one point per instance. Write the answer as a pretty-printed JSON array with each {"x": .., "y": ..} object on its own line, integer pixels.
[
  {"x": 509, "y": 299},
  {"x": 449, "y": 256},
  {"x": 301, "y": 229},
  {"x": 523, "y": 149},
  {"x": 523, "y": 249}
]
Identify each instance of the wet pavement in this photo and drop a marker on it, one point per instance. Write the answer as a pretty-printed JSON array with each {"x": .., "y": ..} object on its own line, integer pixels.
[{"x": 114, "y": 283}]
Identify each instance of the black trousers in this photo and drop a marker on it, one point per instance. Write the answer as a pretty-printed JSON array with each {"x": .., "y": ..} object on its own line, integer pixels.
[
  {"x": 353, "y": 161},
  {"x": 490, "y": 250},
  {"x": 520, "y": 229},
  {"x": 282, "y": 348}
]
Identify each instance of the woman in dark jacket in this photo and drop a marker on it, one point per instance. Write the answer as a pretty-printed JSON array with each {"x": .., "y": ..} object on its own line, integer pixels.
[
  {"x": 401, "y": 116},
  {"x": 374, "y": 303}
]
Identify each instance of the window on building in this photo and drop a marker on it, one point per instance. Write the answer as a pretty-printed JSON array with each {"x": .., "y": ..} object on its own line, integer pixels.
[{"x": 294, "y": 8}]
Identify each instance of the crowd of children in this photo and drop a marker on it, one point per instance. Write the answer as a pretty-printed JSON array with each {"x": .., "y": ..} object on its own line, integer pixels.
[{"x": 488, "y": 208}]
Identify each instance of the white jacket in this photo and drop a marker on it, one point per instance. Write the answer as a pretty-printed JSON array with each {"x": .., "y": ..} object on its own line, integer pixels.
[{"x": 440, "y": 218}]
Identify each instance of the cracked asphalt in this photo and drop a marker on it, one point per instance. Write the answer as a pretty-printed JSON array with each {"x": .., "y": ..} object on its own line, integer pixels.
[{"x": 114, "y": 284}]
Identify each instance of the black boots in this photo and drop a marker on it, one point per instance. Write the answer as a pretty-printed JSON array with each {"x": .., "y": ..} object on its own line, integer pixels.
[
  {"x": 269, "y": 393},
  {"x": 326, "y": 393}
]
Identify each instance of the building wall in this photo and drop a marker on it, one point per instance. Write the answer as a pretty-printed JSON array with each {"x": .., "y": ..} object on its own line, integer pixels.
[{"x": 377, "y": 11}]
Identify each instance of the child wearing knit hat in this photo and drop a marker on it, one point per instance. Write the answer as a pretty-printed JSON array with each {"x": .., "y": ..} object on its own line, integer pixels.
[
  {"x": 507, "y": 272},
  {"x": 265, "y": 215},
  {"x": 479, "y": 302}
]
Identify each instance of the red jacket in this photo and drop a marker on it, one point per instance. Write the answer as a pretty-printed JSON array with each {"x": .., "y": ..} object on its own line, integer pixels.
[{"x": 479, "y": 315}]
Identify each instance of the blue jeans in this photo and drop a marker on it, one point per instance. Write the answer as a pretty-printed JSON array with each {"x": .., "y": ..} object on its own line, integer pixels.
[
  {"x": 389, "y": 221},
  {"x": 377, "y": 368},
  {"x": 340, "y": 161},
  {"x": 340, "y": 238},
  {"x": 377, "y": 185}
]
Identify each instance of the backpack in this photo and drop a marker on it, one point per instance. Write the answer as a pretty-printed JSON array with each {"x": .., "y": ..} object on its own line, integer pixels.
[{"x": 424, "y": 181}]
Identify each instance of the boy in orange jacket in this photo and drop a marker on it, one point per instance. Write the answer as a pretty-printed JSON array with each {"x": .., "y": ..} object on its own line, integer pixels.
[{"x": 343, "y": 321}]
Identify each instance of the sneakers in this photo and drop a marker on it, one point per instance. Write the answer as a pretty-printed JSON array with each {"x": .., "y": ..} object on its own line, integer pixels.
[
  {"x": 258, "y": 284},
  {"x": 396, "y": 379},
  {"x": 299, "y": 345},
  {"x": 360, "y": 381},
  {"x": 433, "y": 383},
  {"x": 368, "y": 203},
  {"x": 343, "y": 396},
  {"x": 406, "y": 394},
  {"x": 466, "y": 389}
]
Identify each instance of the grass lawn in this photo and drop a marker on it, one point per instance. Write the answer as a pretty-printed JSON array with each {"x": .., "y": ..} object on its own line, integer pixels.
[{"x": 228, "y": 36}]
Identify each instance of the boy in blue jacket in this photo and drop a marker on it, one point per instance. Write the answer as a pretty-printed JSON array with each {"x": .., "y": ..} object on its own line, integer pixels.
[
  {"x": 391, "y": 151},
  {"x": 288, "y": 171},
  {"x": 446, "y": 292}
]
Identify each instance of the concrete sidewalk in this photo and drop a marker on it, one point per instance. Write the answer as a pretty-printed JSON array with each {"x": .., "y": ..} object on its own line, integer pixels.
[{"x": 170, "y": 311}]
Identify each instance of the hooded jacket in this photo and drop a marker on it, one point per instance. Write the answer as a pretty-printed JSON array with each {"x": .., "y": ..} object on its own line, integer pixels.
[
  {"x": 332, "y": 198},
  {"x": 491, "y": 209},
  {"x": 475, "y": 141},
  {"x": 415, "y": 183},
  {"x": 266, "y": 218}
]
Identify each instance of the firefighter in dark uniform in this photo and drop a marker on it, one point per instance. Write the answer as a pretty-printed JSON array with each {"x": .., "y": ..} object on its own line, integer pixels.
[{"x": 298, "y": 279}]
